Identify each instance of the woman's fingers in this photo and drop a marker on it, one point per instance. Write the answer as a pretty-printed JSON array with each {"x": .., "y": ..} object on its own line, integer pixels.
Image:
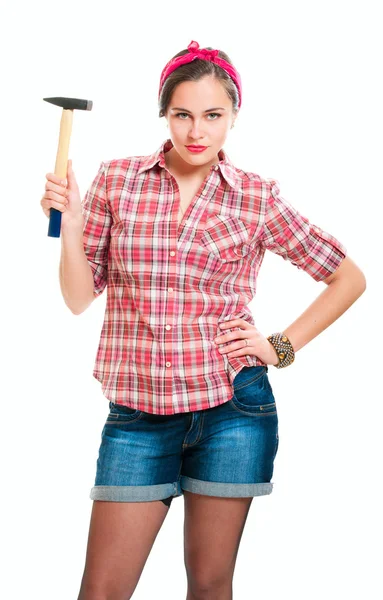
[
  {"x": 57, "y": 188},
  {"x": 56, "y": 179},
  {"x": 48, "y": 203},
  {"x": 63, "y": 195}
]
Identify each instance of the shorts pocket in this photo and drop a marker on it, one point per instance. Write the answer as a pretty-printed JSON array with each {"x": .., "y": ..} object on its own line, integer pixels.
[
  {"x": 255, "y": 396},
  {"x": 226, "y": 237},
  {"x": 248, "y": 375},
  {"x": 119, "y": 413}
]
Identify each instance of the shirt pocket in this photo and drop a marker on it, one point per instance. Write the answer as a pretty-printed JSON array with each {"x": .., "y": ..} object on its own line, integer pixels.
[{"x": 226, "y": 237}]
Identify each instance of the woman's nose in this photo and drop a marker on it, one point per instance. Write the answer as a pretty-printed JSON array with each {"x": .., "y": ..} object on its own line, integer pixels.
[{"x": 196, "y": 130}]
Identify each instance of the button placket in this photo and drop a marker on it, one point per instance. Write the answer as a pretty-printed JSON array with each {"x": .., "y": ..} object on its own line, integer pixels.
[
  {"x": 194, "y": 205},
  {"x": 170, "y": 311}
]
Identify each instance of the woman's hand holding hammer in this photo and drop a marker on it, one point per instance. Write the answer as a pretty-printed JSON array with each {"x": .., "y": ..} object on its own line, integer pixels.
[{"x": 65, "y": 198}]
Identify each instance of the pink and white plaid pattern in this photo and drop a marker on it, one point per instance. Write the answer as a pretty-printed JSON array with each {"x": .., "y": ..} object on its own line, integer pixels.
[{"x": 169, "y": 287}]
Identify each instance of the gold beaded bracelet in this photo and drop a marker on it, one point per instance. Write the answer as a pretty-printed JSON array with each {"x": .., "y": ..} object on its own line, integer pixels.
[{"x": 283, "y": 348}]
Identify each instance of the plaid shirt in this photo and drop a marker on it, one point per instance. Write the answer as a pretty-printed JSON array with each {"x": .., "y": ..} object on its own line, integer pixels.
[{"x": 169, "y": 287}]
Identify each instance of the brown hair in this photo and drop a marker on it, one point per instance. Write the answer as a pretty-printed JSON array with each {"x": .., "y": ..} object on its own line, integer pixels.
[{"x": 194, "y": 71}]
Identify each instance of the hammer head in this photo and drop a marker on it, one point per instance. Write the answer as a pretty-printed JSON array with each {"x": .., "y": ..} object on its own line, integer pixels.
[{"x": 71, "y": 103}]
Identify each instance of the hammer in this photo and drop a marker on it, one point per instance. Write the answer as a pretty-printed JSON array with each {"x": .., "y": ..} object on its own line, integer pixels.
[{"x": 67, "y": 104}]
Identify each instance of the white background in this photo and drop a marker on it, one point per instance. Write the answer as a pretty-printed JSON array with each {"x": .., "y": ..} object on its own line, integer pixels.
[{"x": 312, "y": 119}]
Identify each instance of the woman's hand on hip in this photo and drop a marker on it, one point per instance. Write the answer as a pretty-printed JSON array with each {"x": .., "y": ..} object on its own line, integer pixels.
[{"x": 233, "y": 343}]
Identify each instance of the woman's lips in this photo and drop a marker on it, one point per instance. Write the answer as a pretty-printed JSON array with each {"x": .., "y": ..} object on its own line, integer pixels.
[{"x": 196, "y": 148}]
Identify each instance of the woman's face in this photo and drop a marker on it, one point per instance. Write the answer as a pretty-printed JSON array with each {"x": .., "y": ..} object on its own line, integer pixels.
[{"x": 191, "y": 121}]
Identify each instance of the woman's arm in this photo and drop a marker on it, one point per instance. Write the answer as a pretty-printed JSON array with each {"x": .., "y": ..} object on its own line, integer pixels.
[
  {"x": 344, "y": 286},
  {"x": 76, "y": 277}
]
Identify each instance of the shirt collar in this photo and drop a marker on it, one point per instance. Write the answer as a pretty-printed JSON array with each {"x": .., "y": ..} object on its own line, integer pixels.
[{"x": 227, "y": 168}]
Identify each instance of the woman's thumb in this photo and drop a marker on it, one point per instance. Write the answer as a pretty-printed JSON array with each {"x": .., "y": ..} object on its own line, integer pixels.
[
  {"x": 72, "y": 183},
  {"x": 70, "y": 172}
]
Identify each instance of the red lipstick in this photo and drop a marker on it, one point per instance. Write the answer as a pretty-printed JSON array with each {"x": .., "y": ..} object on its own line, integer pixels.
[{"x": 193, "y": 148}]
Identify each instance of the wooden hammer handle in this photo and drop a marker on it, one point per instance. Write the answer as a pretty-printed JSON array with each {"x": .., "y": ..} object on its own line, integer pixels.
[{"x": 61, "y": 167}]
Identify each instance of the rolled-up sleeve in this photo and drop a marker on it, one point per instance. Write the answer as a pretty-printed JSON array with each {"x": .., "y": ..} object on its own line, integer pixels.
[
  {"x": 291, "y": 235},
  {"x": 96, "y": 229}
]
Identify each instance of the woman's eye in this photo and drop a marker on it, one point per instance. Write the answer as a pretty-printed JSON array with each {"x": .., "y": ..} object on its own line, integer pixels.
[{"x": 216, "y": 114}]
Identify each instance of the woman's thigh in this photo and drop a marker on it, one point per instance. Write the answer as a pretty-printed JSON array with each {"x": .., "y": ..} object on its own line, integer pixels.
[
  {"x": 213, "y": 530},
  {"x": 121, "y": 535}
]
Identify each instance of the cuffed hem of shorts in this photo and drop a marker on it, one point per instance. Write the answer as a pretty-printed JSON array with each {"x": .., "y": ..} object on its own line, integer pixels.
[
  {"x": 230, "y": 490},
  {"x": 135, "y": 493}
]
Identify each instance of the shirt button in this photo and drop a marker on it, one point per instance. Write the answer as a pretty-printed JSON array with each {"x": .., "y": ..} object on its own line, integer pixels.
[
  {"x": 216, "y": 168},
  {"x": 168, "y": 364},
  {"x": 204, "y": 192},
  {"x": 168, "y": 327},
  {"x": 172, "y": 253},
  {"x": 170, "y": 289}
]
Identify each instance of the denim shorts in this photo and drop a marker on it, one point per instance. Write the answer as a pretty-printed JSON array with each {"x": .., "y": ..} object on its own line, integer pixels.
[{"x": 227, "y": 450}]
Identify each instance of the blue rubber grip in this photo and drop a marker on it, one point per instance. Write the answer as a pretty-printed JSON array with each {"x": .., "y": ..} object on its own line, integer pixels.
[{"x": 54, "y": 222}]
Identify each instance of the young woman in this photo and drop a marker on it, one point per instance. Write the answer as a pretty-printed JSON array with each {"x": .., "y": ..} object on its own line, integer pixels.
[{"x": 178, "y": 238}]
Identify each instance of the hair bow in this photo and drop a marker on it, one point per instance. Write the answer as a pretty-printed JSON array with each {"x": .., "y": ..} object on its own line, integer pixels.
[{"x": 194, "y": 48}]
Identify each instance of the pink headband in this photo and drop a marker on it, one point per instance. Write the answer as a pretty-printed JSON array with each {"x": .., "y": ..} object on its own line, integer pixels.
[{"x": 196, "y": 52}]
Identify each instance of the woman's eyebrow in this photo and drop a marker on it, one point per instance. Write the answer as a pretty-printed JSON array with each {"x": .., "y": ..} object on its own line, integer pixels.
[{"x": 188, "y": 111}]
